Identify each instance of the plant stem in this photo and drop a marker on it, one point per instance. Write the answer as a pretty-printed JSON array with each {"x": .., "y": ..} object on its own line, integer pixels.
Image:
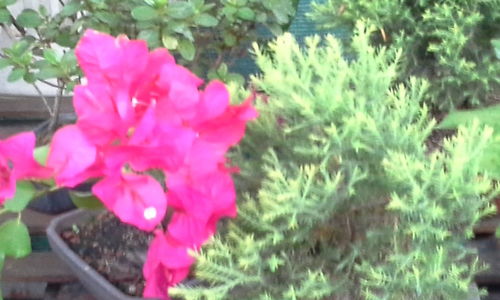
[
  {"x": 18, "y": 27},
  {"x": 48, "y": 83},
  {"x": 44, "y": 100},
  {"x": 56, "y": 108}
]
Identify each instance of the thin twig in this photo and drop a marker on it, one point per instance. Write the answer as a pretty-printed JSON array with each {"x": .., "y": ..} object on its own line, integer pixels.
[
  {"x": 18, "y": 27},
  {"x": 44, "y": 99},
  {"x": 48, "y": 83},
  {"x": 57, "y": 107}
]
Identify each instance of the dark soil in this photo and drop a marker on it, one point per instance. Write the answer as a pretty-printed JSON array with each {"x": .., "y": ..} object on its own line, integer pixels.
[{"x": 116, "y": 250}]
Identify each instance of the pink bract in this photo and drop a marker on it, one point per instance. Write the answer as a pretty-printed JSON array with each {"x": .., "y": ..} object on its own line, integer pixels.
[
  {"x": 135, "y": 199},
  {"x": 17, "y": 163},
  {"x": 71, "y": 156}
]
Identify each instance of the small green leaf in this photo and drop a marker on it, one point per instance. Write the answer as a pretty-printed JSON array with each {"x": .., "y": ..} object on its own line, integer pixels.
[
  {"x": 150, "y": 36},
  {"x": 144, "y": 13},
  {"x": 48, "y": 72},
  {"x": 24, "y": 194},
  {"x": 169, "y": 42},
  {"x": 186, "y": 49},
  {"x": 4, "y": 63},
  {"x": 19, "y": 48},
  {"x": 180, "y": 10},
  {"x": 29, "y": 18},
  {"x": 206, "y": 20},
  {"x": 4, "y": 16},
  {"x": 246, "y": 13},
  {"x": 68, "y": 60},
  {"x": 229, "y": 39},
  {"x": 16, "y": 74},
  {"x": 29, "y": 77},
  {"x": 51, "y": 56},
  {"x": 41, "y": 153},
  {"x": 14, "y": 239},
  {"x": 71, "y": 8},
  {"x": 43, "y": 11},
  {"x": 85, "y": 200}
]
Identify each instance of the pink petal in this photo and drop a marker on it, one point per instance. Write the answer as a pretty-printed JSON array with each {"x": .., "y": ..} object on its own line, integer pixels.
[
  {"x": 7, "y": 181},
  {"x": 214, "y": 101},
  {"x": 188, "y": 230},
  {"x": 18, "y": 149},
  {"x": 135, "y": 199},
  {"x": 229, "y": 128},
  {"x": 70, "y": 155}
]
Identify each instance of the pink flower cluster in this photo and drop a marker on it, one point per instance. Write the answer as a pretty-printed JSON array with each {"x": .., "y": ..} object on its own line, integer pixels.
[{"x": 140, "y": 113}]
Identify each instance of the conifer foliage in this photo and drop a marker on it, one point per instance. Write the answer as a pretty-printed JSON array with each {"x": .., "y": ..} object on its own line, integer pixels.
[
  {"x": 448, "y": 42},
  {"x": 339, "y": 197}
]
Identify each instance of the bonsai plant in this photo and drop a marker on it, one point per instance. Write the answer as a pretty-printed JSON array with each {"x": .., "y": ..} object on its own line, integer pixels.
[
  {"x": 206, "y": 36},
  {"x": 340, "y": 198}
]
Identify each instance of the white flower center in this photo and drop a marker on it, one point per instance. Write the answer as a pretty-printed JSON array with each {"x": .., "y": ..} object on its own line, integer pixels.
[{"x": 150, "y": 213}]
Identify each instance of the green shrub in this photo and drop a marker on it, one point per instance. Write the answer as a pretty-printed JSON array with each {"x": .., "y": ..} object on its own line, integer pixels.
[
  {"x": 340, "y": 196},
  {"x": 447, "y": 42}
]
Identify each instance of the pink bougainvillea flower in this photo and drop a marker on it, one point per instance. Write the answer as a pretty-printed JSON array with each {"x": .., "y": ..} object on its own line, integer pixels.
[
  {"x": 17, "y": 163},
  {"x": 167, "y": 264},
  {"x": 71, "y": 156},
  {"x": 135, "y": 199}
]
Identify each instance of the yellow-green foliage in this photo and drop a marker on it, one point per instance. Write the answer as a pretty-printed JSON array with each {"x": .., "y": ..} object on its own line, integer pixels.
[{"x": 339, "y": 197}]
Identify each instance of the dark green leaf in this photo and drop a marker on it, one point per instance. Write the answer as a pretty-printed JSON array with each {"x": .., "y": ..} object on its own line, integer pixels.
[
  {"x": 186, "y": 49},
  {"x": 246, "y": 13},
  {"x": 29, "y": 77},
  {"x": 108, "y": 17},
  {"x": 51, "y": 56},
  {"x": 16, "y": 74},
  {"x": 85, "y": 200},
  {"x": 14, "y": 239},
  {"x": 180, "y": 10},
  {"x": 71, "y": 8},
  {"x": 24, "y": 194},
  {"x": 66, "y": 39},
  {"x": 48, "y": 72},
  {"x": 144, "y": 13},
  {"x": 4, "y": 63},
  {"x": 4, "y": 16},
  {"x": 206, "y": 20},
  {"x": 29, "y": 18},
  {"x": 41, "y": 153},
  {"x": 169, "y": 42}
]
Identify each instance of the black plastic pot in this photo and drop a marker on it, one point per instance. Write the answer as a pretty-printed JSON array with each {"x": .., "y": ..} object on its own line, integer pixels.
[{"x": 94, "y": 282}]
